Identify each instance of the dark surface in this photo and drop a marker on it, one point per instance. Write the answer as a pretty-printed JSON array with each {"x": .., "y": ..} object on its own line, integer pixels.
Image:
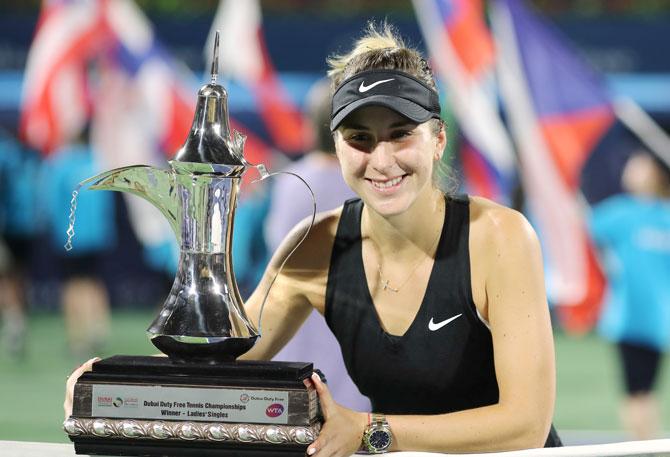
[
  {"x": 225, "y": 351},
  {"x": 163, "y": 370}
]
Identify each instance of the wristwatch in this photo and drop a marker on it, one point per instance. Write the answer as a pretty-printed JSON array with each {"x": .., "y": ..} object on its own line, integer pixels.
[{"x": 377, "y": 437}]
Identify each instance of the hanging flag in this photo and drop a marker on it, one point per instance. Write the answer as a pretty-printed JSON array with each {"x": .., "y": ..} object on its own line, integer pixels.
[
  {"x": 144, "y": 107},
  {"x": 244, "y": 58},
  {"x": 462, "y": 54},
  {"x": 55, "y": 100},
  {"x": 100, "y": 62},
  {"x": 558, "y": 110},
  {"x": 482, "y": 178}
]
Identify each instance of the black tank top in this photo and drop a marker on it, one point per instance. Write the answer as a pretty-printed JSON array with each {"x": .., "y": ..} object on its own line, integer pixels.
[{"x": 444, "y": 361}]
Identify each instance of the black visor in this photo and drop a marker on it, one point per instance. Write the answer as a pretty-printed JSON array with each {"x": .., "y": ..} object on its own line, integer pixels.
[{"x": 392, "y": 89}]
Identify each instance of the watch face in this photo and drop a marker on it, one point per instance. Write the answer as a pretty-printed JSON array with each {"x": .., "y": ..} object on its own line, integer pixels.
[{"x": 380, "y": 439}]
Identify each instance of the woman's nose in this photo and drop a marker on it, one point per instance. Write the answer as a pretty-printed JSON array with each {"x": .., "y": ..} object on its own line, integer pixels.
[{"x": 381, "y": 157}]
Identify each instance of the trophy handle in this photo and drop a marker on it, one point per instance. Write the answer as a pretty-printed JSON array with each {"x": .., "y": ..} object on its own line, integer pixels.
[{"x": 264, "y": 174}]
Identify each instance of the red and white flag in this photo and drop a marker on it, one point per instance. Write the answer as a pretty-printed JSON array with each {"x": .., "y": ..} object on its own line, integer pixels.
[
  {"x": 244, "y": 59},
  {"x": 56, "y": 100},
  {"x": 463, "y": 57},
  {"x": 101, "y": 62}
]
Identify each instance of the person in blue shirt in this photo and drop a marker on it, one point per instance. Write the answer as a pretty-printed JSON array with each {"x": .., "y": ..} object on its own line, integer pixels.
[
  {"x": 84, "y": 295},
  {"x": 633, "y": 233},
  {"x": 19, "y": 168}
]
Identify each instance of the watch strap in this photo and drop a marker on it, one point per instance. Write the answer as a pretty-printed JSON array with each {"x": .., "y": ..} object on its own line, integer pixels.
[
  {"x": 377, "y": 419},
  {"x": 376, "y": 422}
]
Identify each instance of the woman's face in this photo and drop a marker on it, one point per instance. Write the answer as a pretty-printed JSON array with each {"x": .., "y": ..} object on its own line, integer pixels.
[{"x": 387, "y": 159}]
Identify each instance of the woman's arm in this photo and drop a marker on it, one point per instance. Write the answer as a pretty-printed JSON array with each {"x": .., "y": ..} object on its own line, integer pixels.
[
  {"x": 300, "y": 286},
  {"x": 518, "y": 315}
]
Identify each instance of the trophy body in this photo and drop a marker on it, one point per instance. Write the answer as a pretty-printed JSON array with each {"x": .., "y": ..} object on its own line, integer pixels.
[{"x": 198, "y": 400}]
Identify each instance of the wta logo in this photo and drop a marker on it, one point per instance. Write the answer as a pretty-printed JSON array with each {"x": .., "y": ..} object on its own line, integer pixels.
[{"x": 274, "y": 410}]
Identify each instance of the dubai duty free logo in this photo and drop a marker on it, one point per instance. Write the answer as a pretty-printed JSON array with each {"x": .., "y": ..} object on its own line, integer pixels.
[{"x": 104, "y": 401}]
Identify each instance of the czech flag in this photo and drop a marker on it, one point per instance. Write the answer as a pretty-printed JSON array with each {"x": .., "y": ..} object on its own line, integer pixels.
[{"x": 558, "y": 110}]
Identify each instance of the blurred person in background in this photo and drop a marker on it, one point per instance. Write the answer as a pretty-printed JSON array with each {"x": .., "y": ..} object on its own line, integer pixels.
[
  {"x": 633, "y": 232},
  {"x": 290, "y": 200},
  {"x": 84, "y": 296},
  {"x": 250, "y": 253},
  {"x": 291, "y": 203},
  {"x": 19, "y": 168}
]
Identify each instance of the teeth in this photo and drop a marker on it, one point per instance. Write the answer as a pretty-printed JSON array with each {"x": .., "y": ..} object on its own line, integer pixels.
[{"x": 387, "y": 184}]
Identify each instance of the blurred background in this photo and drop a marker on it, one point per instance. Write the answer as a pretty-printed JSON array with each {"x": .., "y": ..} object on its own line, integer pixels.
[{"x": 546, "y": 101}]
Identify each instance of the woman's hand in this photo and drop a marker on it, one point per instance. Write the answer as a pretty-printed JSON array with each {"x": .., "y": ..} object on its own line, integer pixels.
[
  {"x": 71, "y": 381},
  {"x": 343, "y": 429}
]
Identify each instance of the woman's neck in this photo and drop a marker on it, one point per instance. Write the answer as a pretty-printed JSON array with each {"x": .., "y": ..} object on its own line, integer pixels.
[{"x": 403, "y": 234}]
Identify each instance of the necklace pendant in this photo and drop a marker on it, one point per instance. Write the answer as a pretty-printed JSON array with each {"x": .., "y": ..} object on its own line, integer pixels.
[{"x": 386, "y": 286}]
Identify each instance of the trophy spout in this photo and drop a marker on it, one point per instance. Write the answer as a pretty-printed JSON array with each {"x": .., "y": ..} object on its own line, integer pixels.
[{"x": 153, "y": 184}]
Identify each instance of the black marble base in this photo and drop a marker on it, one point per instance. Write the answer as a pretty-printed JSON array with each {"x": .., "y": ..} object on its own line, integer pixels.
[
  {"x": 247, "y": 373},
  {"x": 161, "y": 372}
]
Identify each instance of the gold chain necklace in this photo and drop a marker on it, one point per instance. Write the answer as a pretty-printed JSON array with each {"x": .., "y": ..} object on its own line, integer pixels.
[{"x": 386, "y": 282}]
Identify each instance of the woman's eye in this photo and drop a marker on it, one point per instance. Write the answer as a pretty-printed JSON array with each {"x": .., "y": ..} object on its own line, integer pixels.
[
  {"x": 398, "y": 134},
  {"x": 358, "y": 137}
]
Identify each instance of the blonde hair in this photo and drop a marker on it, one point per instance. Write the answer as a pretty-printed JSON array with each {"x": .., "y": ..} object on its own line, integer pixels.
[{"x": 381, "y": 47}]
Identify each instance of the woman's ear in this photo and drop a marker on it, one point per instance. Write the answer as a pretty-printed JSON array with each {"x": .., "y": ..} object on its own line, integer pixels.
[{"x": 441, "y": 143}]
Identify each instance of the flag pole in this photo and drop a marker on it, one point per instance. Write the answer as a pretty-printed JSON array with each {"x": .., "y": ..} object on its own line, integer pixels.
[{"x": 644, "y": 127}]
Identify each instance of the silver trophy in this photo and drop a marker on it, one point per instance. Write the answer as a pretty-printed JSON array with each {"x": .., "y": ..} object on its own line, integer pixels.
[{"x": 202, "y": 328}]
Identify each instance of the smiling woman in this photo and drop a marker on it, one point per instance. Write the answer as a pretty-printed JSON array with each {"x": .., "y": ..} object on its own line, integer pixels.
[{"x": 437, "y": 300}]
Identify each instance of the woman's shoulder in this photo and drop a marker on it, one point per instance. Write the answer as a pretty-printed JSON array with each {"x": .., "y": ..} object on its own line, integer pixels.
[
  {"x": 309, "y": 242},
  {"x": 324, "y": 227},
  {"x": 306, "y": 255},
  {"x": 494, "y": 224},
  {"x": 489, "y": 212}
]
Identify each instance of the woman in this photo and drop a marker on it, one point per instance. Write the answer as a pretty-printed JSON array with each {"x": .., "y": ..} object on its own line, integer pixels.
[{"x": 438, "y": 302}]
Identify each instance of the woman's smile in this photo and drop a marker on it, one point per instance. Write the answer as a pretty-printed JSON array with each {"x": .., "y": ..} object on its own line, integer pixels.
[{"x": 387, "y": 185}]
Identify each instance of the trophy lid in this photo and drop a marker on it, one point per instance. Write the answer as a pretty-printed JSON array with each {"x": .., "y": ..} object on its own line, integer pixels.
[{"x": 209, "y": 140}]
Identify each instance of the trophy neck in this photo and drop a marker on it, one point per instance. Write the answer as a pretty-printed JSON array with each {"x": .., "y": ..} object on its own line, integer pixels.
[
  {"x": 208, "y": 204},
  {"x": 203, "y": 318}
]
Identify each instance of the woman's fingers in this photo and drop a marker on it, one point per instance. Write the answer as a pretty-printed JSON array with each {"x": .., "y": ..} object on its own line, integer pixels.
[
  {"x": 316, "y": 446},
  {"x": 325, "y": 398},
  {"x": 324, "y": 447},
  {"x": 339, "y": 436},
  {"x": 72, "y": 380}
]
